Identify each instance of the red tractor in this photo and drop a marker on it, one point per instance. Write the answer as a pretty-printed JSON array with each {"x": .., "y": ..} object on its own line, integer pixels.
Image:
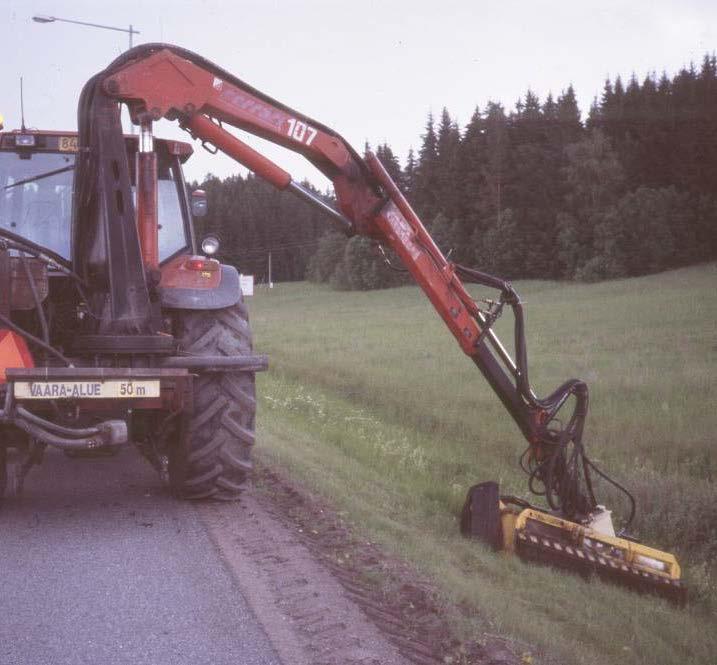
[
  {"x": 115, "y": 329},
  {"x": 161, "y": 355}
]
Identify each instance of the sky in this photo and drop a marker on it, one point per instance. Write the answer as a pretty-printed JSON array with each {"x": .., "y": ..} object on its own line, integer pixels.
[{"x": 371, "y": 70}]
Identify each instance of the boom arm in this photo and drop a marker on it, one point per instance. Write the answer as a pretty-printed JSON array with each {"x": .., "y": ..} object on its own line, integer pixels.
[{"x": 161, "y": 81}]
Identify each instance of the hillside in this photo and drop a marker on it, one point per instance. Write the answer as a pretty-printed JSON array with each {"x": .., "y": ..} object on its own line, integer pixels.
[{"x": 370, "y": 402}]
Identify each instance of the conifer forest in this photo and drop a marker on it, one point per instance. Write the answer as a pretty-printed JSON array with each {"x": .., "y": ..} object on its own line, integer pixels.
[{"x": 536, "y": 191}]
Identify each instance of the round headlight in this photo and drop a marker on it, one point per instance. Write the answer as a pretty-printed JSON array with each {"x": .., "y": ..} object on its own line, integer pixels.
[{"x": 210, "y": 245}]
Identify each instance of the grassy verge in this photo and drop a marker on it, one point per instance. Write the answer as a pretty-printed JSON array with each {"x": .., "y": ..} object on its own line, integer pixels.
[{"x": 370, "y": 402}]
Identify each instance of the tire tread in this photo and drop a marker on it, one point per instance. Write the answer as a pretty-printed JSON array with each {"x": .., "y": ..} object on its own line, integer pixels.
[{"x": 216, "y": 452}]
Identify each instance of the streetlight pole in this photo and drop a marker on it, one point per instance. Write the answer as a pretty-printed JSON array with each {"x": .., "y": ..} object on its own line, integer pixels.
[{"x": 52, "y": 19}]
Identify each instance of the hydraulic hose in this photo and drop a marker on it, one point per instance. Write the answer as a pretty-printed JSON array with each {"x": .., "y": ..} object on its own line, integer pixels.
[
  {"x": 61, "y": 442},
  {"x": 54, "y": 427},
  {"x": 36, "y": 298},
  {"x": 563, "y": 461}
]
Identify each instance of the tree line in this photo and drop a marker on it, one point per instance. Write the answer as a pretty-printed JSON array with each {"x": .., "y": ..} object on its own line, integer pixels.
[
  {"x": 533, "y": 192},
  {"x": 261, "y": 229}
]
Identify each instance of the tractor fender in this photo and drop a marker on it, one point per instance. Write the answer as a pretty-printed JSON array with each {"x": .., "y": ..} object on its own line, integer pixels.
[{"x": 217, "y": 294}]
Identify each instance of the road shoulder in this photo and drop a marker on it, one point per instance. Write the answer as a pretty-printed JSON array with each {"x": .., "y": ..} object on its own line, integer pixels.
[{"x": 326, "y": 597}]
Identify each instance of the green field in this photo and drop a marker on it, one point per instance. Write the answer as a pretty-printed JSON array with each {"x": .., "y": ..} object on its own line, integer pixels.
[{"x": 370, "y": 401}]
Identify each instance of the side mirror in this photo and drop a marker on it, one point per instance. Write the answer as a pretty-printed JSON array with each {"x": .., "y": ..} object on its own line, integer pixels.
[{"x": 199, "y": 203}]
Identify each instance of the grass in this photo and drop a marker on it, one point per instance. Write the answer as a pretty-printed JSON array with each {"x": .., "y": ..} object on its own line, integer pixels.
[{"x": 370, "y": 401}]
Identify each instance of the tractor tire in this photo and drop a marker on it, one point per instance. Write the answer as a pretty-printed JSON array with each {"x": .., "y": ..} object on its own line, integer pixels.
[
  {"x": 3, "y": 471},
  {"x": 10, "y": 480},
  {"x": 211, "y": 457}
]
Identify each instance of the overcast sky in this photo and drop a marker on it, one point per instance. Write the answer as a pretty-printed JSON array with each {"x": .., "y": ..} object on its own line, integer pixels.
[{"x": 371, "y": 70}]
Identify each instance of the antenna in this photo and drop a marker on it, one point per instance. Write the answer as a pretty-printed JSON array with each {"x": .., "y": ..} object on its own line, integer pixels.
[{"x": 22, "y": 109}]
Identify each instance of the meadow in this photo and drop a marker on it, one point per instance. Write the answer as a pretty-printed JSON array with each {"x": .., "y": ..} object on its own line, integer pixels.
[{"x": 371, "y": 403}]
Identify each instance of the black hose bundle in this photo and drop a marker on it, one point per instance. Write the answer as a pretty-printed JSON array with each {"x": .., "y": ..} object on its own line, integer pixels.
[{"x": 557, "y": 465}]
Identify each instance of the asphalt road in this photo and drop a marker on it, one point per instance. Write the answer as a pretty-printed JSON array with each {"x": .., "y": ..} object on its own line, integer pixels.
[{"x": 99, "y": 565}]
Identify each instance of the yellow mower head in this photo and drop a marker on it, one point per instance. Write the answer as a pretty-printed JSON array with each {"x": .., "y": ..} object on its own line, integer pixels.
[{"x": 588, "y": 548}]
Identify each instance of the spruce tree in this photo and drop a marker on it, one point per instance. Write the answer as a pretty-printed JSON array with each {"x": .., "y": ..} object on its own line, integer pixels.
[
  {"x": 426, "y": 180},
  {"x": 495, "y": 166},
  {"x": 410, "y": 175},
  {"x": 491, "y": 133},
  {"x": 568, "y": 116},
  {"x": 470, "y": 187},
  {"x": 449, "y": 199},
  {"x": 390, "y": 163}
]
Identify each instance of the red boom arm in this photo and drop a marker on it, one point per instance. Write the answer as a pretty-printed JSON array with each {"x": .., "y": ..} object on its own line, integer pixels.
[
  {"x": 158, "y": 81},
  {"x": 164, "y": 84}
]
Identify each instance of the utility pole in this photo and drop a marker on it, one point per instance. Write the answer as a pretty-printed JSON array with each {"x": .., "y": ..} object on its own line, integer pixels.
[{"x": 271, "y": 284}]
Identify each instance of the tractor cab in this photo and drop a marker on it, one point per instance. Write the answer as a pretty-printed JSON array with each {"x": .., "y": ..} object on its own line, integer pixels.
[{"x": 36, "y": 186}]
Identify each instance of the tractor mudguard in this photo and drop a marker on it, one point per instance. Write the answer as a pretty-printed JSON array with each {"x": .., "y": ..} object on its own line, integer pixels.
[{"x": 221, "y": 290}]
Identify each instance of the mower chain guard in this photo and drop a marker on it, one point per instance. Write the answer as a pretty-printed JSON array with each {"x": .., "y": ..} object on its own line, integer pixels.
[{"x": 559, "y": 553}]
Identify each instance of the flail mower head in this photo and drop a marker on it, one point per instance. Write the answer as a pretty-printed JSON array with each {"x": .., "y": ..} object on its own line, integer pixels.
[{"x": 588, "y": 548}]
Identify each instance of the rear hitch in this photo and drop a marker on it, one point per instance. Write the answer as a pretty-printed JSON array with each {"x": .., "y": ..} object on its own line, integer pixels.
[{"x": 107, "y": 433}]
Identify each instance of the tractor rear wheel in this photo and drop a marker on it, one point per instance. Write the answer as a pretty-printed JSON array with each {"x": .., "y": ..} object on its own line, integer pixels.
[
  {"x": 3, "y": 470},
  {"x": 212, "y": 456},
  {"x": 10, "y": 480}
]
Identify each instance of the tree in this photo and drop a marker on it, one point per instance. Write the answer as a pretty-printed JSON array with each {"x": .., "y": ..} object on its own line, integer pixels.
[
  {"x": 253, "y": 219},
  {"x": 327, "y": 257},
  {"x": 635, "y": 237},
  {"x": 447, "y": 167},
  {"x": 595, "y": 180},
  {"x": 568, "y": 117},
  {"x": 358, "y": 270},
  {"x": 426, "y": 181},
  {"x": 497, "y": 250},
  {"x": 655, "y": 229},
  {"x": 533, "y": 186},
  {"x": 496, "y": 162},
  {"x": 409, "y": 176},
  {"x": 390, "y": 163},
  {"x": 471, "y": 186}
]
